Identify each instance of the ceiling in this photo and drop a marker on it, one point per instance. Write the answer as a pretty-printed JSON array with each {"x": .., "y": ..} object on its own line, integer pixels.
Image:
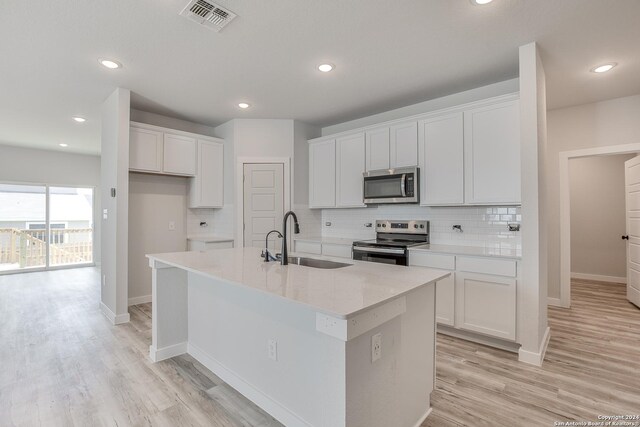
[{"x": 387, "y": 54}]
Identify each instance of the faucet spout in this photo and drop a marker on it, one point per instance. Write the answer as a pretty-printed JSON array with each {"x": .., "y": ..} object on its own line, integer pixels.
[{"x": 296, "y": 230}]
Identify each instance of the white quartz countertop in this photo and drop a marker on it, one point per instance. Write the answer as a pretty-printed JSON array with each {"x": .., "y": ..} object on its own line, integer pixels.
[
  {"x": 209, "y": 238},
  {"x": 329, "y": 240},
  {"x": 470, "y": 250},
  {"x": 341, "y": 292}
]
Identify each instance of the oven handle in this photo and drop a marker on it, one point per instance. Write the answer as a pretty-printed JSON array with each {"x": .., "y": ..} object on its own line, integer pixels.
[
  {"x": 378, "y": 250},
  {"x": 402, "y": 181}
]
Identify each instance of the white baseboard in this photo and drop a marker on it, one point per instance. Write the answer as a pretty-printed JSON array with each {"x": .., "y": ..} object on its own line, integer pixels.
[
  {"x": 160, "y": 354},
  {"x": 536, "y": 358},
  {"x": 555, "y": 302},
  {"x": 479, "y": 338},
  {"x": 275, "y": 409},
  {"x": 598, "y": 278},
  {"x": 139, "y": 300},
  {"x": 113, "y": 318},
  {"x": 424, "y": 417}
]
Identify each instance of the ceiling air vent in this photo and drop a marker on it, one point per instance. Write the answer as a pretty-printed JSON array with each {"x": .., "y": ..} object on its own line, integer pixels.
[{"x": 208, "y": 14}]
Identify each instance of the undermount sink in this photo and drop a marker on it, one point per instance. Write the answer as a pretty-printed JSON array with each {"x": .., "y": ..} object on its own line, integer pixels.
[{"x": 316, "y": 263}]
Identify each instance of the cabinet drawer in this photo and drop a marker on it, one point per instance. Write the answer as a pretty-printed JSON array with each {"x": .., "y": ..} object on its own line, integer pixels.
[
  {"x": 331, "y": 249},
  {"x": 308, "y": 247},
  {"x": 423, "y": 259},
  {"x": 498, "y": 267}
]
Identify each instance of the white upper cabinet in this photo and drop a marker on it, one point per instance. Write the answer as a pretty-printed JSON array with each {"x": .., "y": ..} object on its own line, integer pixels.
[
  {"x": 350, "y": 163},
  {"x": 403, "y": 145},
  {"x": 322, "y": 174},
  {"x": 206, "y": 189},
  {"x": 492, "y": 154},
  {"x": 442, "y": 160},
  {"x": 179, "y": 155},
  {"x": 145, "y": 150},
  {"x": 377, "y": 149}
]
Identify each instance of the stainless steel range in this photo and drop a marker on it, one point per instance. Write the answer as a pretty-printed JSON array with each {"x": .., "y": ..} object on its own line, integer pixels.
[{"x": 392, "y": 243}]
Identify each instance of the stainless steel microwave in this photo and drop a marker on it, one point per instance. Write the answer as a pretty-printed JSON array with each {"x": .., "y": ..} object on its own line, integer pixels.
[{"x": 399, "y": 185}]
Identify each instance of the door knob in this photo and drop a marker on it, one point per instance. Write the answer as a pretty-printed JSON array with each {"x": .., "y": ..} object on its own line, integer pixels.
[{"x": 625, "y": 237}]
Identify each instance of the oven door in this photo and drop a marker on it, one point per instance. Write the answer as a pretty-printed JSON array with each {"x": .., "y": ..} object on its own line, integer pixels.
[{"x": 395, "y": 256}]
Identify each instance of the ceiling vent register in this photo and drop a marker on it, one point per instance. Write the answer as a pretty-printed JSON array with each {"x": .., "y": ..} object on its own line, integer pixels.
[{"x": 208, "y": 14}]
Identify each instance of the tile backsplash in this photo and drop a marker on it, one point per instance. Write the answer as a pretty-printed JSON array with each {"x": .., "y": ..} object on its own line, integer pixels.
[{"x": 485, "y": 226}]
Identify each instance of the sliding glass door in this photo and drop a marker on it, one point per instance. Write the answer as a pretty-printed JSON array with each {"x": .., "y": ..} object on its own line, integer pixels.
[
  {"x": 43, "y": 226},
  {"x": 20, "y": 246},
  {"x": 70, "y": 225}
]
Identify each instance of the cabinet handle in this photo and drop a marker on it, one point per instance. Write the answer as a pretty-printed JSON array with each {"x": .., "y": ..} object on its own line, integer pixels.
[{"x": 625, "y": 237}]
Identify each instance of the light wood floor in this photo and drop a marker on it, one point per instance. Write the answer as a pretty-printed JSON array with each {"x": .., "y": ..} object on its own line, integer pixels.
[{"x": 62, "y": 364}]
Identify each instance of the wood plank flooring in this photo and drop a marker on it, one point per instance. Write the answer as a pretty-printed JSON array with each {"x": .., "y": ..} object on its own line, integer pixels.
[{"x": 63, "y": 364}]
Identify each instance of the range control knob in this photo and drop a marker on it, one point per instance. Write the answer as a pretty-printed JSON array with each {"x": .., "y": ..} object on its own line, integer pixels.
[
  {"x": 384, "y": 225},
  {"x": 421, "y": 225},
  {"x": 415, "y": 225}
]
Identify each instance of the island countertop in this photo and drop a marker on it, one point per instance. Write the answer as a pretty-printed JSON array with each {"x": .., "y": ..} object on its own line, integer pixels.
[{"x": 342, "y": 292}]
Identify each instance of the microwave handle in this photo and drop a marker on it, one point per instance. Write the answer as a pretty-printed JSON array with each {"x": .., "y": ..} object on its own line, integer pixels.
[{"x": 402, "y": 183}]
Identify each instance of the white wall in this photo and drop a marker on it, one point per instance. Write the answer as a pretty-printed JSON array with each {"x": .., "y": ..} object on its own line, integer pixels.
[
  {"x": 154, "y": 201},
  {"x": 56, "y": 168},
  {"x": 598, "y": 215},
  {"x": 489, "y": 91},
  {"x": 114, "y": 168},
  {"x": 599, "y": 124}
]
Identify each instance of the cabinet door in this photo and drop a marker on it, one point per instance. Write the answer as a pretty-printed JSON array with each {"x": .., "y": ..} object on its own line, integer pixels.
[
  {"x": 486, "y": 304},
  {"x": 145, "y": 150},
  {"x": 492, "y": 154},
  {"x": 404, "y": 145},
  {"x": 350, "y": 167},
  {"x": 206, "y": 189},
  {"x": 445, "y": 300},
  {"x": 442, "y": 160},
  {"x": 377, "y": 150},
  {"x": 322, "y": 174},
  {"x": 179, "y": 155},
  {"x": 337, "y": 250}
]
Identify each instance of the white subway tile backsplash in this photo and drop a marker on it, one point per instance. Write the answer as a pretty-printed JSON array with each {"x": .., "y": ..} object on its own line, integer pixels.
[{"x": 481, "y": 226}]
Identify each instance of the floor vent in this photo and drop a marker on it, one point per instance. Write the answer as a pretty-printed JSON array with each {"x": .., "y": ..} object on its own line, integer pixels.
[{"x": 208, "y": 14}]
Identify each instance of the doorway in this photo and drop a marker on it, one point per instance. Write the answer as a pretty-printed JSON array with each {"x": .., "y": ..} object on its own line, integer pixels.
[
  {"x": 44, "y": 227},
  {"x": 568, "y": 229}
]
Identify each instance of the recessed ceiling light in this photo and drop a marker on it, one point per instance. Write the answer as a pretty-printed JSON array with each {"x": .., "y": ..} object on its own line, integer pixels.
[
  {"x": 63, "y": 145},
  {"x": 603, "y": 68},
  {"x": 244, "y": 105},
  {"x": 109, "y": 63},
  {"x": 481, "y": 2},
  {"x": 325, "y": 68},
  {"x": 79, "y": 119}
]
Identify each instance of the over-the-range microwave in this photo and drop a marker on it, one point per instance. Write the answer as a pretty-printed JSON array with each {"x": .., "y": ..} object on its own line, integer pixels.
[{"x": 399, "y": 185}]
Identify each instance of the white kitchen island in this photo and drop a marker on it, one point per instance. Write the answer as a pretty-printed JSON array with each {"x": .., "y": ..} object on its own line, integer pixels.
[{"x": 298, "y": 341}]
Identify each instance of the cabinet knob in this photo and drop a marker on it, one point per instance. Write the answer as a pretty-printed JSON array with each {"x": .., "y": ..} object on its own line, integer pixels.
[{"x": 625, "y": 237}]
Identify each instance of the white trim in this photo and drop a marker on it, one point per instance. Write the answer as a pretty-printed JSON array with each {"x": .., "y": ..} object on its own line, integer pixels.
[
  {"x": 240, "y": 162},
  {"x": 479, "y": 338},
  {"x": 598, "y": 277},
  {"x": 268, "y": 404},
  {"x": 555, "y": 302},
  {"x": 163, "y": 129},
  {"x": 538, "y": 357},
  {"x": 113, "y": 318},
  {"x": 423, "y": 417},
  {"x": 160, "y": 354},
  {"x": 139, "y": 300},
  {"x": 565, "y": 209}
]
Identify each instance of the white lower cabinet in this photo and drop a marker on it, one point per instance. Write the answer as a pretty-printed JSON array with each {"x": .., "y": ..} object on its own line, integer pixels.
[
  {"x": 486, "y": 304},
  {"x": 480, "y": 294},
  {"x": 318, "y": 248},
  {"x": 198, "y": 245}
]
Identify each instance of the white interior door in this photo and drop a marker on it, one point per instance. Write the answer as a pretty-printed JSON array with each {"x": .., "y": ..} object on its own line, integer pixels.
[
  {"x": 263, "y": 203},
  {"x": 632, "y": 188}
]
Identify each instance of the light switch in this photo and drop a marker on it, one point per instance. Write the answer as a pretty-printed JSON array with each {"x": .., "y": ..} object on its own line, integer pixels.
[
  {"x": 105, "y": 213},
  {"x": 172, "y": 225}
]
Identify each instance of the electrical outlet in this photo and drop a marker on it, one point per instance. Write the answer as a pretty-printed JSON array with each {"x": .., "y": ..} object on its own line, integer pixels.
[
  {"x": 172, "y": 225},
  {"x": 104, "y": 280},
  {"x": 272, "y": 349},
  {"x": 376, "y": 347}
]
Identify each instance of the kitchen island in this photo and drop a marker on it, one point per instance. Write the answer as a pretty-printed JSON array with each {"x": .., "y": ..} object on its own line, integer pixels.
[{"x": 351, "y": 346}]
